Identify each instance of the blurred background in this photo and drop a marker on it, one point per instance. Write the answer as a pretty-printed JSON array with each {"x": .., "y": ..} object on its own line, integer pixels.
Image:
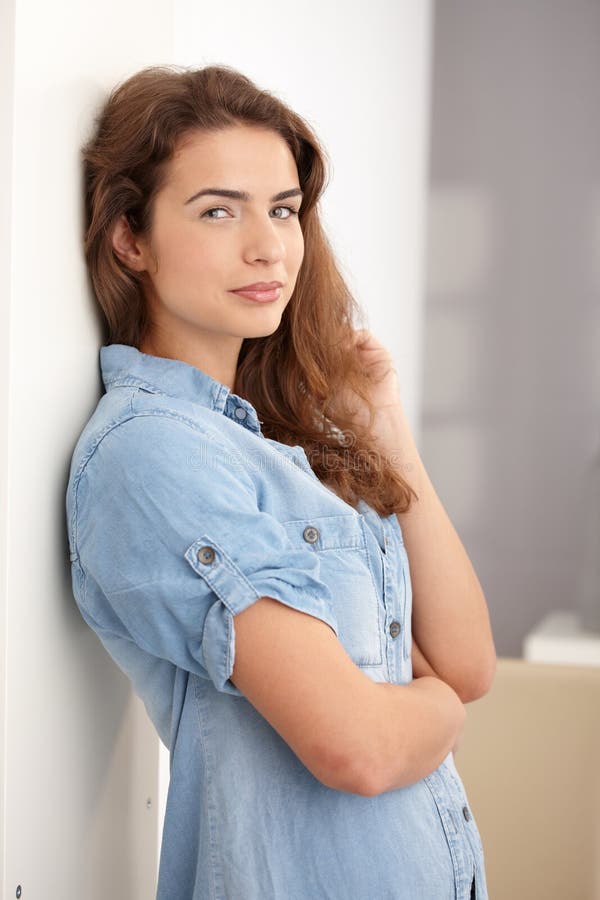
[
  {"x": 510, "y": 413},
  {"x": 511, "y": 373},
  {"x": 464, "y": 209}
]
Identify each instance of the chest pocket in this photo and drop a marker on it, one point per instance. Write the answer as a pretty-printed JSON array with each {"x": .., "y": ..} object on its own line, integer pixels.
[{"x": 346, "y": 569}]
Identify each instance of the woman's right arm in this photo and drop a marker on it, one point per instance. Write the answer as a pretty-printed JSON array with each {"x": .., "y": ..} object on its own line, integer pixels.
[{"x": 352, "y": 733}]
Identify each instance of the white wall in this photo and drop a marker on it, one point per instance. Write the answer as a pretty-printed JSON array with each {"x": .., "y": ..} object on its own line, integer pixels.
[{"x": 79, "y": 758}]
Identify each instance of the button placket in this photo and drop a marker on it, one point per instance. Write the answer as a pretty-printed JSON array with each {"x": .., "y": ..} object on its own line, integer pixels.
[
  {"x": 394, "y": 604},
  {"x": 391, "y": 628},
  {"x": 395, "y": 628},
  {"x": 456, "y": 835}
]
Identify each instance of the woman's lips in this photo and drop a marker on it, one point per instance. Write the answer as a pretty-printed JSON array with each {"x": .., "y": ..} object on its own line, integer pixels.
[{"x": 260, "y": 296}]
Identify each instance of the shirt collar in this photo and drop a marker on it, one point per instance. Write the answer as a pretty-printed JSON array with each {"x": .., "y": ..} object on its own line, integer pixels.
[{"x": 122, "y": 364}]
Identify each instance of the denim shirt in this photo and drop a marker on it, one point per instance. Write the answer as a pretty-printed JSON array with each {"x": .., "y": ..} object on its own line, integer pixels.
[{"x": 180, "y": 514}]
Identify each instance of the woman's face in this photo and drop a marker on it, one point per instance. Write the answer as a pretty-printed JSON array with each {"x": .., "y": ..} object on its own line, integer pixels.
[{"x": 205, "y": 247}]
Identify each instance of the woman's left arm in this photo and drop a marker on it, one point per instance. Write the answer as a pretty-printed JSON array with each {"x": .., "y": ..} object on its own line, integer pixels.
[{"x": 450, "y": 619}]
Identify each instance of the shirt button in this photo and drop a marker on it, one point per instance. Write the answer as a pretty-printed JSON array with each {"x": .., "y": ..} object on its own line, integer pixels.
[
  {"x": 466, "y": 813},
  {"x": 206, "y": 555},
  {"x": 240, "y": 413},
  {"x": 395, "y": 629},
  {"x": 310, "y": 534}
]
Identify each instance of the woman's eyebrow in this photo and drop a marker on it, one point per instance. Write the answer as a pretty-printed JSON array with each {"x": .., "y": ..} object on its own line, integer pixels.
[{"x": 242, "y": 195}]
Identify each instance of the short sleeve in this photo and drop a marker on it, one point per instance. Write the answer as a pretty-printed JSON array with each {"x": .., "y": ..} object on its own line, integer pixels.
[{"x": 171, "y": 539}]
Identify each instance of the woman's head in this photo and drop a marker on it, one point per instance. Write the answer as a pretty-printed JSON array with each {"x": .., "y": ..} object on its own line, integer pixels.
[
  {"x": 159, "y": 265},
  {"x": 202, "y": 245},
  {"x": 130, "y": 163}
]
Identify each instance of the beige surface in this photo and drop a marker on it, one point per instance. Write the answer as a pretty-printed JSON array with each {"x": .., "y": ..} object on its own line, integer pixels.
[{"x": 529, "y": 759}]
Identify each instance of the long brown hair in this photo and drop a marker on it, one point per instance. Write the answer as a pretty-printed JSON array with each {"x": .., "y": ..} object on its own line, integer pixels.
[{"x": 292, "y": 375}]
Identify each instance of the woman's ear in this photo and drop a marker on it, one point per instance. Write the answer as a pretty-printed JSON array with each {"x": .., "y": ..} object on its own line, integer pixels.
[{"x": 128, "y": 248}]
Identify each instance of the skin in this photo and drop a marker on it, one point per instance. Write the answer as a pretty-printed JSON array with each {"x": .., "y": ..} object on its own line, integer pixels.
[{"x": 201, "y": 258}]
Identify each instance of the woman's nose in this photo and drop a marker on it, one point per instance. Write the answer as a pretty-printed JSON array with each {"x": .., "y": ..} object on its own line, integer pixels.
[{"x": 263, "y": 241}]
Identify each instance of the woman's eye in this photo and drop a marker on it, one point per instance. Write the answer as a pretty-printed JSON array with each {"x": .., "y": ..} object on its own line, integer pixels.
[
  {"x": 215, "y": 209},
  {"x": 290, "y": 209}
]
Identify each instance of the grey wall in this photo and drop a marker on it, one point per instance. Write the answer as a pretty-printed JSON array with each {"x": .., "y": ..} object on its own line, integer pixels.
[{"x": 511, "y": 377}]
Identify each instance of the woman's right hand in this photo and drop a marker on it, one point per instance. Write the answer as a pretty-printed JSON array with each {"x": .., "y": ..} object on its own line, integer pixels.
[{"x": 421, "y": 668}]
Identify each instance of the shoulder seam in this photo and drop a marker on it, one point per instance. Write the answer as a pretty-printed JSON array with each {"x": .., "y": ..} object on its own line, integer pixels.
[
  {"x": 165, "y": 413},
  {"x": 111, "y": 426}
]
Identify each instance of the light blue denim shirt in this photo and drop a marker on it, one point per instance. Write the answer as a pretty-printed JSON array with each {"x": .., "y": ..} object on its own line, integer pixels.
[{"x": 180, "y": 514}]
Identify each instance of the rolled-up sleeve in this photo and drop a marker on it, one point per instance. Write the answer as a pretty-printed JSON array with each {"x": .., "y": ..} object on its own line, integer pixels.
[{"x": 172, "y": 545}]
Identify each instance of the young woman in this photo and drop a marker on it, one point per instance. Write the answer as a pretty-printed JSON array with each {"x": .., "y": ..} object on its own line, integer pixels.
[{"x": 242, "y": 507}]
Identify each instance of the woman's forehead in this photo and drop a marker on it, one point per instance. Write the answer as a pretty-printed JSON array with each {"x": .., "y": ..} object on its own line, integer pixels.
[{"x": 239, "y": 158}]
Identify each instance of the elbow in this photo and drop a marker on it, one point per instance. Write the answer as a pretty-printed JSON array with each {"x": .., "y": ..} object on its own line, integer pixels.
[
  {"x": 348, "y": 773},
  {"x": 478, "y": 683},
  {"x": 365, "y": 784},
  {"x": 365, "y": 779},
  {"x": 369, "y": 784}
]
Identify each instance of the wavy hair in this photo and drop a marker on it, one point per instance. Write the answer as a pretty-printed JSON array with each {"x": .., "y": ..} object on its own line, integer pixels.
[{"x": 291, "y": 376}]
